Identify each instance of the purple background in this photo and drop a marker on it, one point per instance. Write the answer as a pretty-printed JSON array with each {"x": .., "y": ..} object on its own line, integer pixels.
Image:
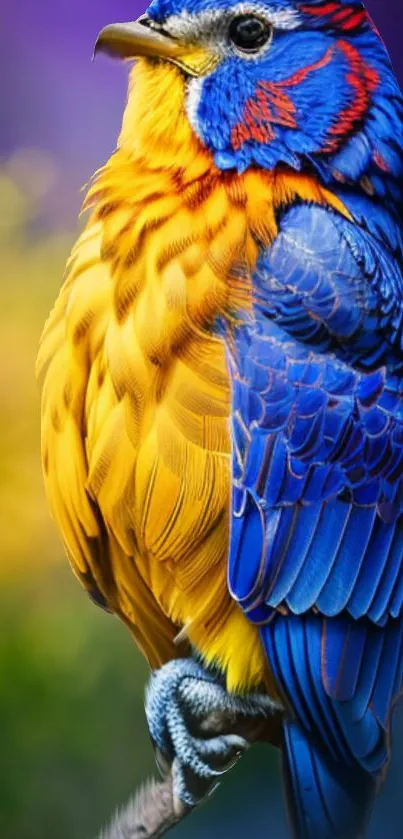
[{"x": 57, "y": 100}]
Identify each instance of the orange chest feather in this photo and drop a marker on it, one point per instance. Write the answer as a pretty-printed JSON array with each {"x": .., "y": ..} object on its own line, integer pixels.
[
  {"x": 136, "y": 399},
  {"x": 179, "y": 253}
]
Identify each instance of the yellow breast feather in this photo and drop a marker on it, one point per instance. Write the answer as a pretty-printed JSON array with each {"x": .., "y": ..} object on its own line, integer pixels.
[{"x": 136, "y": 403}]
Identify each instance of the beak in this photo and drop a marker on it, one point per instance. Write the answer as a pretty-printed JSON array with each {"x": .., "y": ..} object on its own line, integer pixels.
[{"x": 137, "y": 40}]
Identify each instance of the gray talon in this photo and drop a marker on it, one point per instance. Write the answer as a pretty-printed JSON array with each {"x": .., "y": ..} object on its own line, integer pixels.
[{"x": 191, "y": 719}]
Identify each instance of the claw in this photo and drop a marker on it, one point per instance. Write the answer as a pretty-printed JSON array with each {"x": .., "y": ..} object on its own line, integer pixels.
[
  {"x": 162, "y": 762},
  {"x": 193, "y": 725}
]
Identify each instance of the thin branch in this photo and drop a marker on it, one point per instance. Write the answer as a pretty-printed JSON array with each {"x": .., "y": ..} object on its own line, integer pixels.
[
  {"x": 153, "y": 810},
  {"x": 149, "y": 814}
]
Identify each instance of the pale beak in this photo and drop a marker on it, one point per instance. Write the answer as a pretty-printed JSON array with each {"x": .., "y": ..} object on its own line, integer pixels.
[{"x": 136, "y": 40}]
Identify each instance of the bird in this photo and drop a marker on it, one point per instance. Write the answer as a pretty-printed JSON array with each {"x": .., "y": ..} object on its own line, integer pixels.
[{"x": 222, "y": 392}]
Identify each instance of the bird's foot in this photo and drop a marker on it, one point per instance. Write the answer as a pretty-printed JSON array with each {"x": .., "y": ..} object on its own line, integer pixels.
[{"x": 195, "y": 726}]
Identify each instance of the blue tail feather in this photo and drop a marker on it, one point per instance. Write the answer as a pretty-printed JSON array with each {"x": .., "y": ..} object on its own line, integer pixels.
[
  {"x": 326, "y": 798},
  {"x": 339, "y": 679}
]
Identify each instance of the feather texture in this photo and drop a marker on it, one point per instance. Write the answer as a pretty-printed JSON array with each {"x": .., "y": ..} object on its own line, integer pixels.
[
  {"x": 317, "y": 516},
  {"x": 136, "y": 400},
  {"x": 231, "y": 326},
  {"x": 319, "y": 475}
]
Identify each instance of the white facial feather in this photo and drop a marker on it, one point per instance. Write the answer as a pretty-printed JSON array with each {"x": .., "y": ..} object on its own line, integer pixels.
[
  {"x": 214, "y": 21},
  {"x": 193, "y": 96}
]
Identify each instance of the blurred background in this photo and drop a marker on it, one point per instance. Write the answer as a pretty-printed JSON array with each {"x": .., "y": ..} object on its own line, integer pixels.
[{"x": 73, "y": 735}]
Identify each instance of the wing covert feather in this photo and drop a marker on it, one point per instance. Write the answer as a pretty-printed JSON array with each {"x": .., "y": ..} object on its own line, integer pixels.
[
  {"x": 316, "y": 551},
  {"x": 318, "y": 429}
]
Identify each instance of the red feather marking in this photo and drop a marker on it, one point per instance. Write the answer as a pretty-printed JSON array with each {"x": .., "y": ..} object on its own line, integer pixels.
[
  {"x": 319, "y": 11},
  {"x": 354, "y": 21},
  {"x": 271, "y": 105},
  {"x": 380, "y": 162},
  {"x": 346, "y": 18},
  {"x": 363, "y": 80},
  {"x": 301, "y": 74}
]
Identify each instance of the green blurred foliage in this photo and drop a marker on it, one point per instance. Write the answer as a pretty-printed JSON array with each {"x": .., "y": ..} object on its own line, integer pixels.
[{"x": 74, "y": 740}]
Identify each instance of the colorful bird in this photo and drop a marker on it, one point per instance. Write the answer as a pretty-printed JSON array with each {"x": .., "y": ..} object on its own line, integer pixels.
[{"x": 222, "y": 416}]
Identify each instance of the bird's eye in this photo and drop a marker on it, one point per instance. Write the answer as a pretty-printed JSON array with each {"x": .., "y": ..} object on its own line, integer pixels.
[{"x": 249, "y": 33}]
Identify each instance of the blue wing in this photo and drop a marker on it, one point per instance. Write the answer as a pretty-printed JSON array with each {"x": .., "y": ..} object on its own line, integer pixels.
[
  {"x": 318, "y": 453},
  {"x": 316, "y": 554},
  {"x": 318, "y": 431}
]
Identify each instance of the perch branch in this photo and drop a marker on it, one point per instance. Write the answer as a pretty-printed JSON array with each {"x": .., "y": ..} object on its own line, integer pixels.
[
  {"x": 153, "y": 810},
  {"x": 148, "y": 815}
]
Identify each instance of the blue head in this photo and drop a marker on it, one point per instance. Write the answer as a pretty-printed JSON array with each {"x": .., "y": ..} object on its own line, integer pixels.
[{"x": 302, "y": 83}]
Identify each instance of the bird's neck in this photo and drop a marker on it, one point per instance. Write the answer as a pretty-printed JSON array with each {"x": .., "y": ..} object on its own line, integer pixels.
[
  {"x": 181, "y": 238},
  {"x": 156, "y": 129}
]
